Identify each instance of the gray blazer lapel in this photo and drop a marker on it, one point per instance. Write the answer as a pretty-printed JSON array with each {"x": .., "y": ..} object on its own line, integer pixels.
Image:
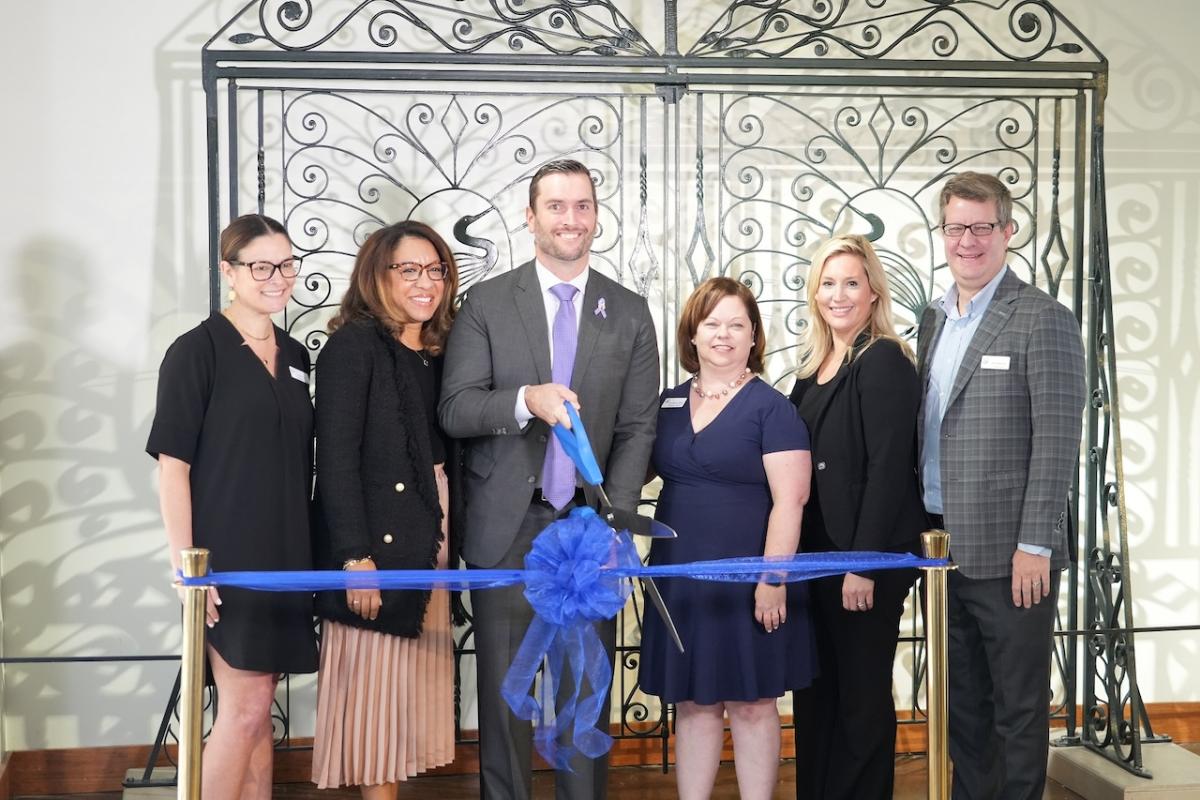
[
  {"x": 527, "y": 294},
  {"x": 591, "y": 325},
  {"x": 994, "y": 320},
  {"x": 927, "y": 335}
]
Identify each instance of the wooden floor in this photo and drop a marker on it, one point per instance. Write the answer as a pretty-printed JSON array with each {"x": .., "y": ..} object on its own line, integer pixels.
[{"x": 625, "y": 783}]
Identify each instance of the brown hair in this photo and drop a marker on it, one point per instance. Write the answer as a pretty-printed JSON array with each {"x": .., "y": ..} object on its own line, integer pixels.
[
  {"x": 698, "y": 308},
  {"x": 818, "y": 339},
  {"x": 562, "y": 166},
  {"x": 369, "y": 294},
  {"x": 245, "y": 229},
  {"x": 980, "y": 187}
]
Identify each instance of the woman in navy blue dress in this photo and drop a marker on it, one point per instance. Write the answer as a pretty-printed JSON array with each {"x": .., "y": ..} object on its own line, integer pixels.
[{"x": 733, "y": 456}]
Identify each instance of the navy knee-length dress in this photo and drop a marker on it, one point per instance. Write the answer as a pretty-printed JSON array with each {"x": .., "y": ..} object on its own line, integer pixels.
[{"x": 715, "y": 495}]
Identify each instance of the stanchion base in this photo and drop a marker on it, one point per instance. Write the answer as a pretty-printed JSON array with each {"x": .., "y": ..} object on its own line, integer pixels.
[
  {"x": 153, "y": 789},
  {"x": 1176, "y": 774}
]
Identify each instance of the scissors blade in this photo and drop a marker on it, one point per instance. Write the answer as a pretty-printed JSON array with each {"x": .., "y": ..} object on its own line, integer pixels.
[
  {"x": 651, "y": 591},
  {"x": 620, "y": 519},
  {"x": 616, "y": 518},
  {"x": 640, "y": 525}
]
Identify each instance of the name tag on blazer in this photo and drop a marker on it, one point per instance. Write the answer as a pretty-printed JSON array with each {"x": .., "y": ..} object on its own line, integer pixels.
[
  {"x": 994, "y": 362},
  {"x": 298, "y": 374},
  {"x": 674, "y": 402}
]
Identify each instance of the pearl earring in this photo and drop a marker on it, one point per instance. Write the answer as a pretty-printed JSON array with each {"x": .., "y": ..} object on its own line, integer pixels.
[{"x": 232, "y": 295}]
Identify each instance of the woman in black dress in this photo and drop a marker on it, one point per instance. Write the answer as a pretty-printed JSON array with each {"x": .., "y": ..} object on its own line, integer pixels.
[
  {"x": 385, "y": 706},
  {"x": 232, "y": 433},
  {"x": 858, "y": 393}
]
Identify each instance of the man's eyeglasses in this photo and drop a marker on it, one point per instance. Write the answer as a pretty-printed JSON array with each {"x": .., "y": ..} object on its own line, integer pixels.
[
  {"x": 411, "y": 270},
  {"x": 954, "y": 230},
  {"x": 263, "y": 270}
]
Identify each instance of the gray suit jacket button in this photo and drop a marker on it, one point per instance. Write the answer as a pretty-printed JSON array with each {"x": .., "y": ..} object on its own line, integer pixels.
[
  {"x": 531, "y": 479},
  {"x": 542, "y": 438}
]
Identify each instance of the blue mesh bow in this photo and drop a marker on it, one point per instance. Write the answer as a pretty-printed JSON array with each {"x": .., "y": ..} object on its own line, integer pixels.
[{"x": 571, "y": 584}]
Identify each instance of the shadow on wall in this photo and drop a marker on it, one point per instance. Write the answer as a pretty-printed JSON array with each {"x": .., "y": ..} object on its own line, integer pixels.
[
  {"x": 82, "y": 555},
  {"x": 1153, "y": 182},
  {"x": 78, "y": 513}
]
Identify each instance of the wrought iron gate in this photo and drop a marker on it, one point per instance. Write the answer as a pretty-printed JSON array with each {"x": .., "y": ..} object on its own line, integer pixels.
[{"x": 776, "y": 124}]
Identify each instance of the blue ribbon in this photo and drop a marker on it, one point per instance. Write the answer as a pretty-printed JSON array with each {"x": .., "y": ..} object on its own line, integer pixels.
[
  {"x": 800, "y": 567},
  {"x": 575, "y": 575}
]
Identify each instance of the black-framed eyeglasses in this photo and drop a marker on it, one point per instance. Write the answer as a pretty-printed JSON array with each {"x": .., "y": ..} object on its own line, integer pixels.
[
  {"x": 263, "y": 270},
  {"x": 954, "y": 230},
  {"x": 411, "y": 270}
]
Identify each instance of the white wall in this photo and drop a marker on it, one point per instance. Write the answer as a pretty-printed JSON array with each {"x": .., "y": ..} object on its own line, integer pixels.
[
  {"x": 103, "y": 254},
  {"x": 1153, "y": 150}
]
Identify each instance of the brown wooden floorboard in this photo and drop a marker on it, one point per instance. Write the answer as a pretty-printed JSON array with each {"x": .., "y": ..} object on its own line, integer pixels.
[{"x": 625, "y": 783}]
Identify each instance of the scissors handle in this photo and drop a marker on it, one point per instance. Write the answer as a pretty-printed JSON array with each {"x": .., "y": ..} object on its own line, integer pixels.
[{"x": 575, "y": 443}]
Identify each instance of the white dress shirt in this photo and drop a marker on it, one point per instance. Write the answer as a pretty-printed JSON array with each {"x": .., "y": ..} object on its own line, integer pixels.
[{"x": 548, "y": 280}]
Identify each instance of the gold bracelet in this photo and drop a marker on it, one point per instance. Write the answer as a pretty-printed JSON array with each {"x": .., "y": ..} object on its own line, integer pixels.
[{"x": 350, "y": 562}]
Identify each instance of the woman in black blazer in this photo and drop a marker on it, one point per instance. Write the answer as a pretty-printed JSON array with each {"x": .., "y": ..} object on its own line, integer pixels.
[
  {"x": 859, "y": 394},
  {"x": 385, "y": 695}
]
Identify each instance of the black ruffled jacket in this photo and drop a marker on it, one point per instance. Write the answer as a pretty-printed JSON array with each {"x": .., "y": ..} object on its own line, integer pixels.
[{"x": 375, "y": 493}]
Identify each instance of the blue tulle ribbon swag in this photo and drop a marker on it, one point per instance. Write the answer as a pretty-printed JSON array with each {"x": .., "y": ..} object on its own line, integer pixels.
[{"x": 570, "y": 584}]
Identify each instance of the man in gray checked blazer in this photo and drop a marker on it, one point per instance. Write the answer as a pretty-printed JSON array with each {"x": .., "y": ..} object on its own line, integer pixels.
[
  {"x": 1002, "y": 370},
  {"x": 507, "y": 364}
]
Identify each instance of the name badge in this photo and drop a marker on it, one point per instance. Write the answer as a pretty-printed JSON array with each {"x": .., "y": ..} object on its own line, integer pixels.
[
  {"x": 994, "y": 362},
  {"x": 299, "y": 374},
  {"x": 674, "y": 402}
]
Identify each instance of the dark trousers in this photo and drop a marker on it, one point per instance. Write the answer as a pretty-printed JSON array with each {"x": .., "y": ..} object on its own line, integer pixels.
[
  {"x": 999, "y": 685},
  {"x": 501, "y": 617},
  {"x": 846, "y": 720}
]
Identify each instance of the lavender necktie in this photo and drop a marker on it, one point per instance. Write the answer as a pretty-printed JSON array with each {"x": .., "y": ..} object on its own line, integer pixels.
[{"x": 558, "y": 472}]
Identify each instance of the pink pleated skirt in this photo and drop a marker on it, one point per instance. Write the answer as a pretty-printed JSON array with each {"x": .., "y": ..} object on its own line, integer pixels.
[{"x": 385, "y": 704}]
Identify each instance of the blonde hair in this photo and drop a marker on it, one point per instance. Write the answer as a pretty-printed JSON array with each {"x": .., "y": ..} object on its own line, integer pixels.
[{"x": 817, "y": 341}]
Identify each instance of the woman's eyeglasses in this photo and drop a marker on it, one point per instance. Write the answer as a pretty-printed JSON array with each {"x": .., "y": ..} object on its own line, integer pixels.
[
  {"x": 263, "y": 270},
  {"x": 411, "y": 270}
]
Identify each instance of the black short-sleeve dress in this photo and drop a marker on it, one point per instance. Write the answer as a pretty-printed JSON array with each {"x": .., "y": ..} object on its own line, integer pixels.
[{"x": 248, "y": 439}]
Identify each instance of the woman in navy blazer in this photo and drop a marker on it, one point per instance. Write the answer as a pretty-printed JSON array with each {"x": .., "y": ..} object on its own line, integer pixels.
[{"x": 859, "y": 394}]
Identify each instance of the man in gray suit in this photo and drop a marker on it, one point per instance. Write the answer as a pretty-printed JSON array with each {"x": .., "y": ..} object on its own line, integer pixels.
[
  {"x": 1001, "y": 364},
  {"x": 551, "y": 331}
]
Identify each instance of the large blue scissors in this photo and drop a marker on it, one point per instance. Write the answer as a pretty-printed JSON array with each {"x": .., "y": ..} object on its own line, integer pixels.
[{"x": 575, "y": 443}]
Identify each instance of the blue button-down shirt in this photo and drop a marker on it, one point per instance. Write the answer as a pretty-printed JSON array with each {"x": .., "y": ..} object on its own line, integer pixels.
[{"x": 948, "y": 353}]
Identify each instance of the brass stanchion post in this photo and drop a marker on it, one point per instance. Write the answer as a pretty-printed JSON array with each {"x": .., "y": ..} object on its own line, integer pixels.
[
  {"x": 191, "y": 695},
  {"x": 936, "y": 544}
]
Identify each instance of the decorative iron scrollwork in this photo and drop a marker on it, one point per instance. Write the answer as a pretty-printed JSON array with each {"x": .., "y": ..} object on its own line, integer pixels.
[
  {"x": 771, "y": 167},
  {"x": 1013, "y": 30},
  {"x": 568, "y": 27}
]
